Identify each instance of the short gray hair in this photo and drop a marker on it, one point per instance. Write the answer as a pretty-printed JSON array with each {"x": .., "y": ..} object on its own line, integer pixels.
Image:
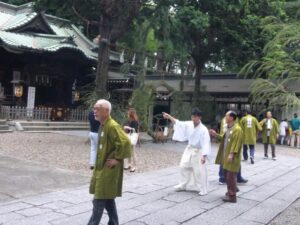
[{"x": 105, "y": 104}]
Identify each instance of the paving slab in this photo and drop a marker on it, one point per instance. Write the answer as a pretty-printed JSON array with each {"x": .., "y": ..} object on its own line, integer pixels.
[{"x": 150, "y": 199}]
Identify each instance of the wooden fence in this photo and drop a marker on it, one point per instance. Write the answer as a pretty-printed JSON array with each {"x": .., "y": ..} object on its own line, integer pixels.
[{"x": 42, "y": 113}]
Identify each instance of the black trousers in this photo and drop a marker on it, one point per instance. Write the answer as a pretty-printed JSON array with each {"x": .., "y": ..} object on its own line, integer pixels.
[{"x": 98, "y": 207}]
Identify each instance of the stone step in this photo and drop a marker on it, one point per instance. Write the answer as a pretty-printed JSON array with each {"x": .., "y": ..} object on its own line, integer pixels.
[
  {"x": 5, "y": 131},
  {"x": 52, "y": 128},
  {"x": 4, "y": 127},
  {"x": 45, "y": 123}
]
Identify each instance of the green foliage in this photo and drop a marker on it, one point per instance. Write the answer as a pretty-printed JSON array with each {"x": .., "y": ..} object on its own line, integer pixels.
[
  {"x": 292, "y": 9},
  {"x": 90, "y": 97},
  {"x": 275, "y": 94},
  {"x": 118, "y": 113},
  {"x": 181, "y": 108},
  {"x": 280, "y": 55},
  {"x": 151, "y": 42},
  {"x": 206, "y": 103},
  {"x": 142, "y": 98}
]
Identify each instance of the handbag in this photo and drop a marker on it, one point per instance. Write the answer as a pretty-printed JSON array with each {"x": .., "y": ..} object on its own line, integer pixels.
[{"x": 133, "y": 137}]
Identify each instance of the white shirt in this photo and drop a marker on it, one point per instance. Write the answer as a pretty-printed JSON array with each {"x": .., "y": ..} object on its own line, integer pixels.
[
  {"x": 197, "y": 137},
  {"x": 283, "y": 126}
]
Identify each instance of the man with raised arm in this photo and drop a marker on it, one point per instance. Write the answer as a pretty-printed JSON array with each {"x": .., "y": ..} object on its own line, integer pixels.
[{"x": 193, "y": 171}]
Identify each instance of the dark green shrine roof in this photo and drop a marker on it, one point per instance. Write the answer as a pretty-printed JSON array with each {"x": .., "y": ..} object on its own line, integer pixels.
[{"x": 22, "y": 29}]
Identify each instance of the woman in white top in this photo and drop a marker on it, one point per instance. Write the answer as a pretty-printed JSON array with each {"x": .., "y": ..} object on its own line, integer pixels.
[{"x": 283, "y": 126}]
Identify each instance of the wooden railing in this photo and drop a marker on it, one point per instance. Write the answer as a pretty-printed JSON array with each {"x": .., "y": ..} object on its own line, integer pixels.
[{"x": 42, "y": 113}]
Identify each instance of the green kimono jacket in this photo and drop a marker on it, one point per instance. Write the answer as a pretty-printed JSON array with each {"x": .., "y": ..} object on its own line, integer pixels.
[
  {"x": 273, "y": 132},
  {"x": 234, "y": 145},
  {"x": 250, "y": 127},
  {"x": 113, "y": 143}
]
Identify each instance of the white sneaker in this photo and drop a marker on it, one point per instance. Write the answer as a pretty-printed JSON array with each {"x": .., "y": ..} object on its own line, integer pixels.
[
  {"x": 265, "y": 157},
  {"x": 201, "y": 193},
  {"x": 274, "y": 158},
  {"x": 179, "y": 188}
]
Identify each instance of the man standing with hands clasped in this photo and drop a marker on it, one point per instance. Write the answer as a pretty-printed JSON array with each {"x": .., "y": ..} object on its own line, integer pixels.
[
  {"x": 193, "y": 169},
  {"x": 229, "y": 154}
]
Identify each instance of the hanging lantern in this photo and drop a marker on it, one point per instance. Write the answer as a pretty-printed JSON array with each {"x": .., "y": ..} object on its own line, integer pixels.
[
  {"x": 18, "y": 90},
  {"x": 76, "y": 96}
]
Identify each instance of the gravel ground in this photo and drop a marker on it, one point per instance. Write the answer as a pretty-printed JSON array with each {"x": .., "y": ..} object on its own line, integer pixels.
[{"x": 71, "y": 152}]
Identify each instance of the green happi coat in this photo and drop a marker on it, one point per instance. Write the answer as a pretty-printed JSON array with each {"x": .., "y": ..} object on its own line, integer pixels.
[
  {"x": 250, "y": 127},
  {"x": 113, "y": 143},
  {"x": 234, "y": 145},
  {"x": 273, "y": 132}
]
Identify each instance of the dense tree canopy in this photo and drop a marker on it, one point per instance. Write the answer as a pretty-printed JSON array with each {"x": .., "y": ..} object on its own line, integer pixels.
[
  {"x": 280, "y": 61},
  {"x": 211, "y": 35}
]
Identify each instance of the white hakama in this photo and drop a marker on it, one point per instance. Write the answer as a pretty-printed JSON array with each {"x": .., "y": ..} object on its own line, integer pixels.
[{"x": 193, "y": 174}]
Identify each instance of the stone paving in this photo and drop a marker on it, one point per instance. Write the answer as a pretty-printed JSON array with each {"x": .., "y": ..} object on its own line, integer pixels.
[{"x": 149, "y": 199}]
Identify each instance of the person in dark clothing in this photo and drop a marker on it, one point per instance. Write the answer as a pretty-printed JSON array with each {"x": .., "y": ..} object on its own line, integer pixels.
[
  {"x": 132, "y": 125},
  {"x": 94, "y": 127}
]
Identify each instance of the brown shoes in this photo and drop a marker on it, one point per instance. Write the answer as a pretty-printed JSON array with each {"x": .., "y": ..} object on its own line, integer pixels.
[{"x": 231, "y": 199}]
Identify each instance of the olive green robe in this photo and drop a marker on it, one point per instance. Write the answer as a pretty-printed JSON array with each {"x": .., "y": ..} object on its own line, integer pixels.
[
  {"x": 234, "y": 145},
  {"x": 250, "y": 127},
  {"x": 113, "y": 143},
  {"x": 273, "y": 133}
]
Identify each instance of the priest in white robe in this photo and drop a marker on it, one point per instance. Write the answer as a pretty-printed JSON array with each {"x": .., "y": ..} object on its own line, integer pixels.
[{"x": 193, "y": 171}]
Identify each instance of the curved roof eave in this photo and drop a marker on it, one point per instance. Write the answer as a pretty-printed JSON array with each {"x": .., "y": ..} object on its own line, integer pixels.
[
  {"x": 28, "y": 20},
  {"x": 51, "y": 49}
]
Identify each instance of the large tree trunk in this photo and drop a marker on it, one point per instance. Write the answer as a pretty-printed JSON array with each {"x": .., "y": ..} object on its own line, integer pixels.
[
  {"x": 103, "y": 57},
  {"x": 115, "y": 19},
  {"x": 197, "y": 89}
]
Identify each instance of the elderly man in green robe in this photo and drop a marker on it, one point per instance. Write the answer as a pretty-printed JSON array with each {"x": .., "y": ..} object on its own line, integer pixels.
[
  {"x": 270, "y": 131},
  {"x": 113, "y": 147},
  {"x": 250, "y": 127},
  {"x": 229, "y": 154}
]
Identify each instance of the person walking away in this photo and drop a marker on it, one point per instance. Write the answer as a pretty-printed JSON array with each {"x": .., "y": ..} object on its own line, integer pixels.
[
  {"x": 250, "y": 127},
  {"x": 295, "y": 124},
  {"x": 106, "y": 182},
  {"x": 229, "y": 154},
  {"x": 93, "y": 135},
  {"x": 269, "y": 134},
  {"x": 193, "y": 169},
  {"x": 283, "y": 127},
  {"x": 132, "y": 125}
]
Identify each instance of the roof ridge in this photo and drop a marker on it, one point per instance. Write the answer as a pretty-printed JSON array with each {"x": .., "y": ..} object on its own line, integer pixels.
[
  {"x": 16, "y": 7},
  {"x": 51, "y": 17}
]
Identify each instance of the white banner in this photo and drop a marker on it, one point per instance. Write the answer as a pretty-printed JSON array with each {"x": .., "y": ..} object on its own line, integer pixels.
[{"x": 30, "y": 101}]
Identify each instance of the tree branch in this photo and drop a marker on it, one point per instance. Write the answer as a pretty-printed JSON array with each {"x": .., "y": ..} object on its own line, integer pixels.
[{"x": 90, "y": 22}]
